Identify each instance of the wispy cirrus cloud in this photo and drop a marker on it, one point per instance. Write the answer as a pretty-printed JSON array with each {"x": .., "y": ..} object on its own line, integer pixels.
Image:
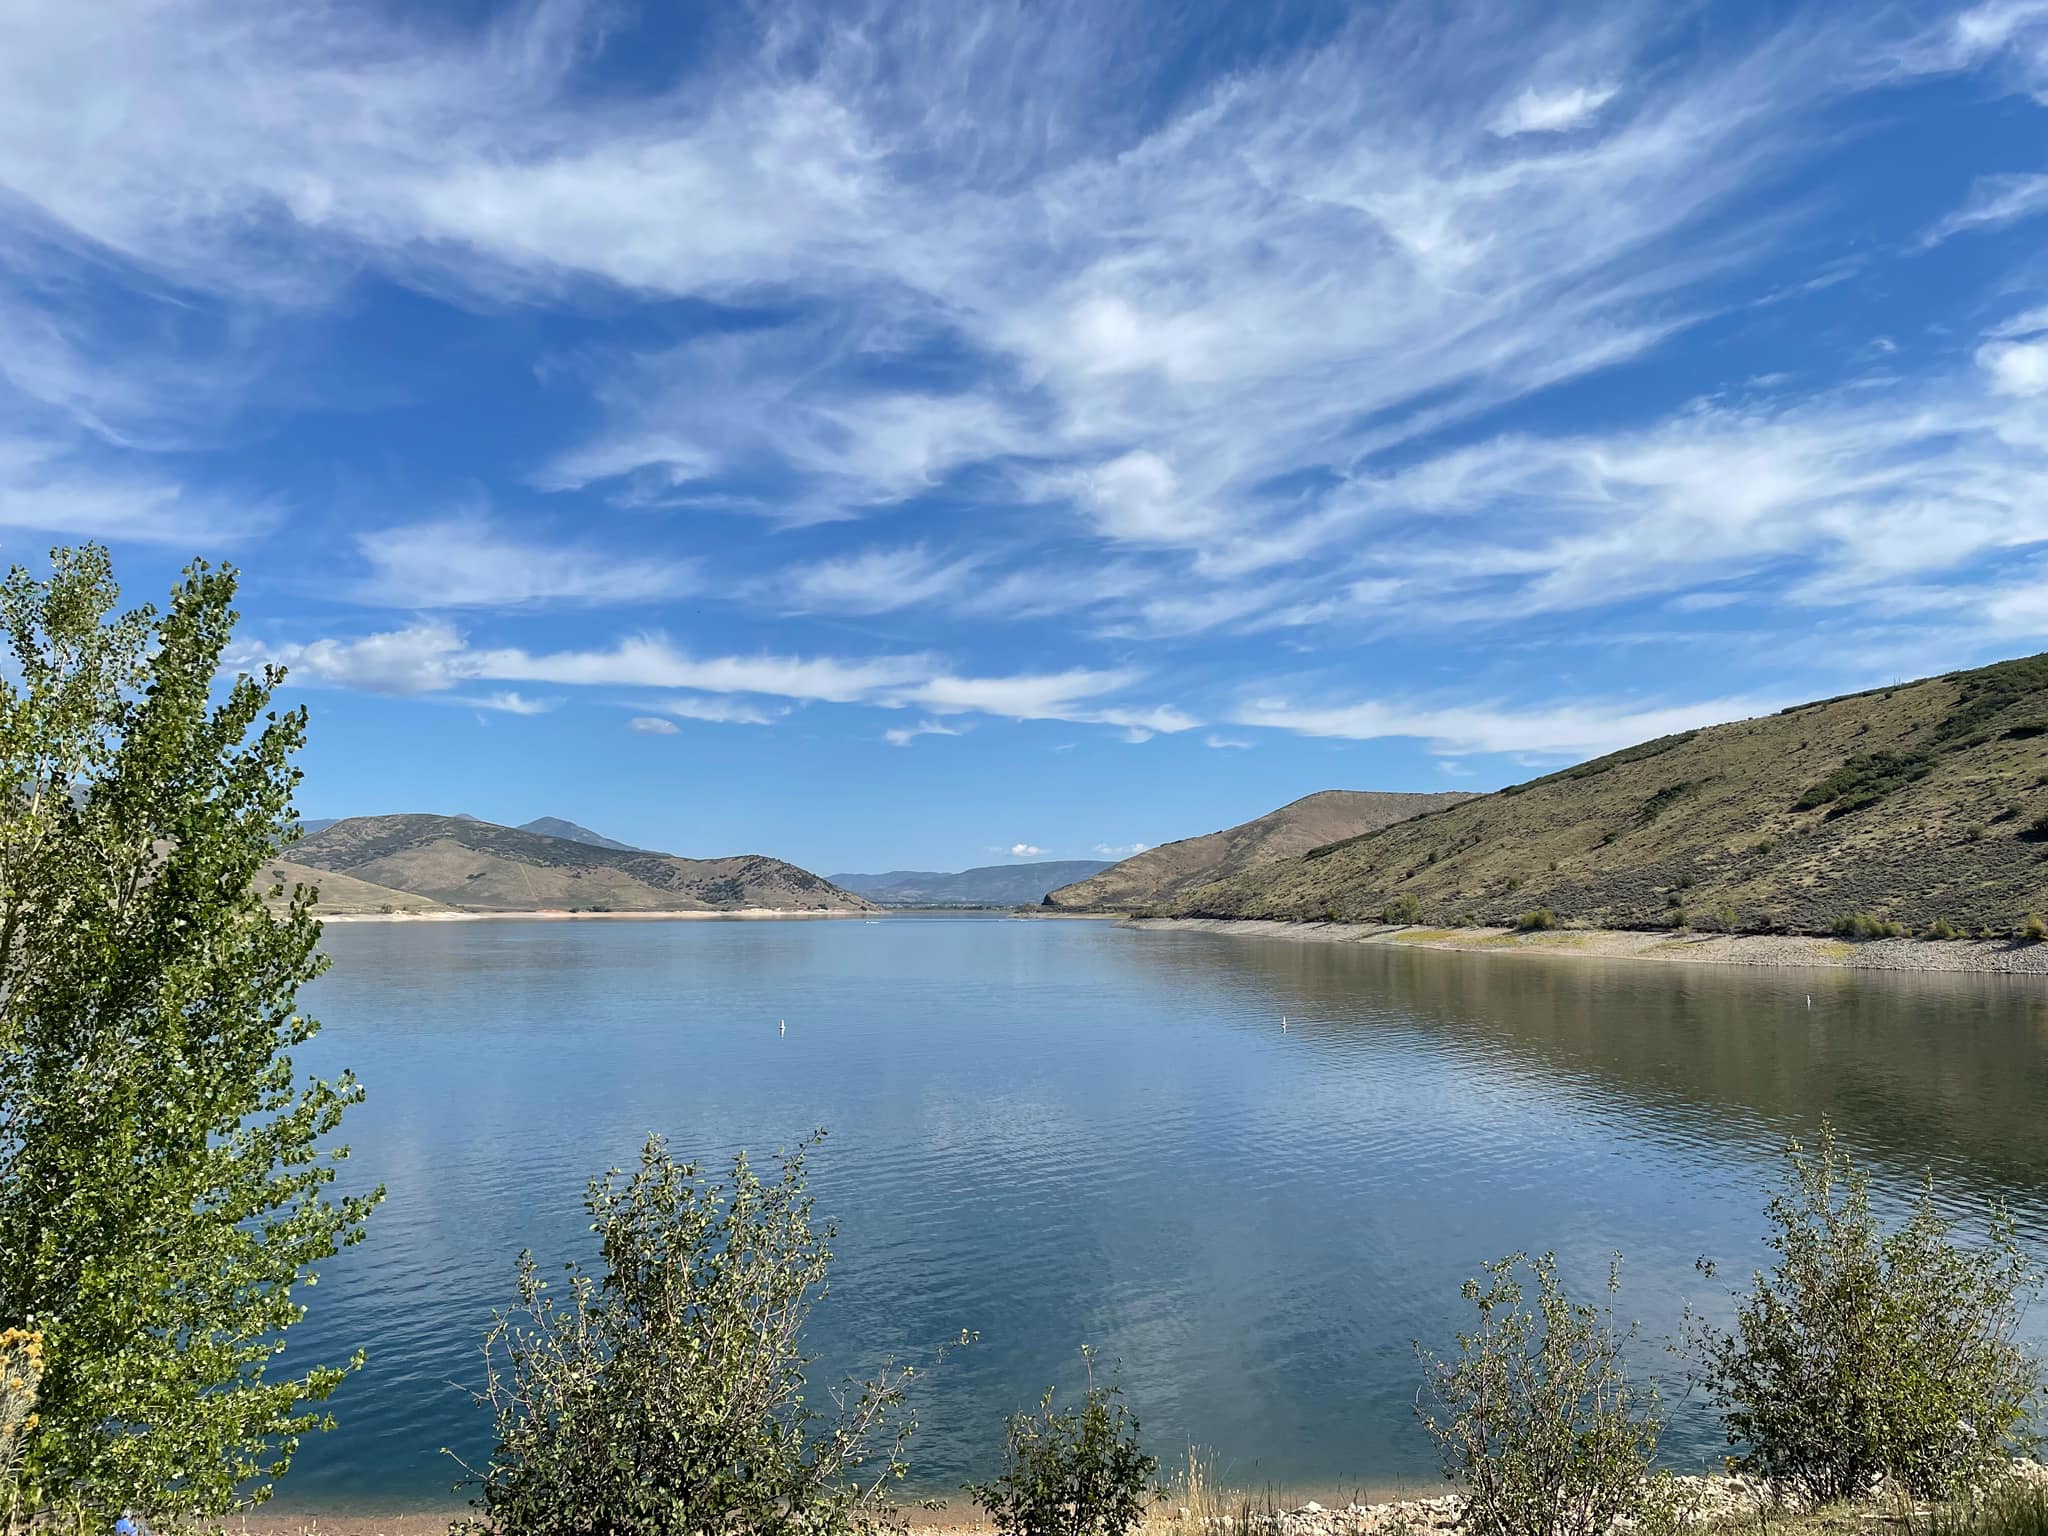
[{"x": 472, "y": 561}]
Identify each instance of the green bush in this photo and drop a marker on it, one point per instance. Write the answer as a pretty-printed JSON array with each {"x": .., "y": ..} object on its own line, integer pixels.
[
  {"x": 1536, "y": 920},
  {"x": 2032, "y": 928},
  {"x": 1536, "y": 1418},
  {"x": 1069, "y": 1473},
  {"x": 1868, "y": 1352},
  {"x": 668, "y": 1395},
  {"x": 1974, "y": 832},
  {"x": 1402, "y": 909},
  {"x": 1941, "y": 928},
  {"x": 1867, "y": 925}
]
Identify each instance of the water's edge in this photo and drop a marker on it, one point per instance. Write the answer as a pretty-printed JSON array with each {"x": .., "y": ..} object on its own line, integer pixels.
[{"x": 1998, "y": 956}]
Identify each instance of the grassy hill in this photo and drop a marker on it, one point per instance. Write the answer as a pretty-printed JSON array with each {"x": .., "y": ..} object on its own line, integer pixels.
[
  {"x": 989, "y": 885},
  {"x": 1160, "y": 875},
  {"x": 477, "y": 866},
  {"x": 1921, "y": 804},
  {"x": 343, "y": 893}
]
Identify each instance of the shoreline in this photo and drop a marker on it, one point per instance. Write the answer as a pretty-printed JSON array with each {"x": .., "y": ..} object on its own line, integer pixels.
[
  {"x": 2009, "y": 957},
  {"x": 563, "y": 915},
  {"x": 1710, "y": 1501}
]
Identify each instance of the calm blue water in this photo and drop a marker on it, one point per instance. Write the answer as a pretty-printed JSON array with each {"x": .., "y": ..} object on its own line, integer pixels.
[{"x": 1064, "y": 1133}]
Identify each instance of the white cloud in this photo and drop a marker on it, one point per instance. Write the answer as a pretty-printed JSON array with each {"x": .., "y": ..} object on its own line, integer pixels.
[
  {"x": 63, "y": 488},
  {"x": 1537, "y": 111},
  {"x": 2016, "y": 367},
  {"x": 648, "y": 725},
  {"x": 1024, "y": 851},
  {"x": 873, "y": 581},
  {"x": 1120, "y": 850},
  {"x": 1226, "y": 742},
  {"x": 1994, "y": 202},
  {"x": 422, "y": 658},
  {"x": 506, "y": 702},
  {"x": 1043, "y": 696},
  {"x": 716, "y": 711},
  {"x": 1565, "y": 730},
  {"x": 904, "y": 735},
  {"x": 467, "y": 561}
]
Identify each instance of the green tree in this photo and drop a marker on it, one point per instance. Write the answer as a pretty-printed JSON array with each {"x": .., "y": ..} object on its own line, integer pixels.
[
  {"x": 663, "y": 1390},
  {"x": 1869, "y": 1352},
  {"x": 1070, "y": 1472},
  {"x": 162, "y": 1187}
]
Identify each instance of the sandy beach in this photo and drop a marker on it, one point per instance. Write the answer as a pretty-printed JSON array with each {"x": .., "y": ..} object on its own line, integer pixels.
[{"x": 2008, "y": 956}]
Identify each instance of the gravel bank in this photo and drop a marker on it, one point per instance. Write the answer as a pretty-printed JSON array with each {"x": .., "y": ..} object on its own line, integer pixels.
[{"x": 2011, "y": 956}]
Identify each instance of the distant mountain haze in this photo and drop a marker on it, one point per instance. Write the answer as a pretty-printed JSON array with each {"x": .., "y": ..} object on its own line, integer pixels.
[
  {"x": 476, "y": 866},
  {"x": 993, "y": 885},
  {"x": 1162, "y": 874},
  {"x": 1921, "y": 805}
]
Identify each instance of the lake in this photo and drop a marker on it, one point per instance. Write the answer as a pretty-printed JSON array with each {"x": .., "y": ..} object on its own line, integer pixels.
[{"x": 1060, "y": 1133}]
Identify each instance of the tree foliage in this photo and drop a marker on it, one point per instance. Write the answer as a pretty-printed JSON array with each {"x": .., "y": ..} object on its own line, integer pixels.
[
  {"x": 1536, "y": 1417},
  {"x": 162, "y": 1187},
  {"x": 663, "y": 1390},
  {"x": 1070, "y": 1472},
  {"x": 1868, "y": 1352}
]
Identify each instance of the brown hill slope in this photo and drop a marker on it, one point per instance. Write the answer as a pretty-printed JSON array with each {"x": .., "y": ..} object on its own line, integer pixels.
[
  {"x": 1917, "y": 804},
  {"x": 481, "y": 867},
  {"x": 1160, "y": 874},
  {"x": 342, "y": 893}
]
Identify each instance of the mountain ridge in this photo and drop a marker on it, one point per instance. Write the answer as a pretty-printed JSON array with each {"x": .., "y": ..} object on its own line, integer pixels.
[
  {"x": 478, "y": 866},
  {"x": 1920, "y": 806},
  {"x": 1160, "y": 874},
  {"x": 998, "y": 885}
]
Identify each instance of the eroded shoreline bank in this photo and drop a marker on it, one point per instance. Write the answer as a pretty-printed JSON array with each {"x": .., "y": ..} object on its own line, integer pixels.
[{"x": 1994, "y": 956}]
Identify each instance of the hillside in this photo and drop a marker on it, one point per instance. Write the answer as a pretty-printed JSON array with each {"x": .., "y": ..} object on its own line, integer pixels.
[
  {"x": 554, "y": 826},
  {"x": 1160, "y": 875},
  {"x": 477, "y": 866},
  {"x": 990, "y": 885},
  {"x": 341, "y": 894},
  {"x": 1919, "y": 804}
]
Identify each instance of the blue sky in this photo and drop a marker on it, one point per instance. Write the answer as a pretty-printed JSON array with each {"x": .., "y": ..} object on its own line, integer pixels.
[{"x": 897, "y": 435}]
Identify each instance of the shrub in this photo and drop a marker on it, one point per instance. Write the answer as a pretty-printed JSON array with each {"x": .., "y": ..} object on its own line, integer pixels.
[
  {"x": 669, "y": 1395},
  {"x": 1402, "y": 909},
  {"x": 1867, "y": 925},
  {"x": 2038, "y": 827},
  {"x": 1867, "y": 1352},
  {"x": 1536, "y": 1417},
  {"x": 1941, "y": 928},
  {"x": 1069, "y": 1473},
  {"x": 2032, "y": 928},
  {"x": 1974, "y": 832},
  {"x": 1536, "y": 920}
]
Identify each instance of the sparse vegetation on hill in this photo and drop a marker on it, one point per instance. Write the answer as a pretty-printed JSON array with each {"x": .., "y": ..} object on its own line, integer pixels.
[
  {"x": 1898, "y": 810},
  {"x": 1160, "y": 875}
]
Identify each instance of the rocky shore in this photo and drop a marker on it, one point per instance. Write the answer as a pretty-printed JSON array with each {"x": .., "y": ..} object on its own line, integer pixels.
[{"x": 2007, "y": 956}]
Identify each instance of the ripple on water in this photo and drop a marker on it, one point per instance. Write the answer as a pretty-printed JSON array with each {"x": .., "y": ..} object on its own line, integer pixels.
[{"x": 1063, "y": 1133}]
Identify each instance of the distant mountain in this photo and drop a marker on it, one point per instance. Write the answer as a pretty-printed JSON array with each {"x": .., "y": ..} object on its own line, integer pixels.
[
  {"x": 1160, "y": 874},
  {"x": 1919, "y": 804},
  {"x": 478, "y": 866},
  {"x": 991, "y": 885},
  {"x": 554, "y": 826},
  {"x": 311, "y": 824}
]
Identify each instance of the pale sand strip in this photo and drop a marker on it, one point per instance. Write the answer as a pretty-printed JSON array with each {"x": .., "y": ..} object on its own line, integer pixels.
[{"x": 2011, "y": 956}]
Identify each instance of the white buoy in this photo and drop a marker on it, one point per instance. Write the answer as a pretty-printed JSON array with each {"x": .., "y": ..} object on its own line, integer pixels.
[
  {"x": 1283, "y": 1023},
  {"x": 783, "y": 1029}
]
